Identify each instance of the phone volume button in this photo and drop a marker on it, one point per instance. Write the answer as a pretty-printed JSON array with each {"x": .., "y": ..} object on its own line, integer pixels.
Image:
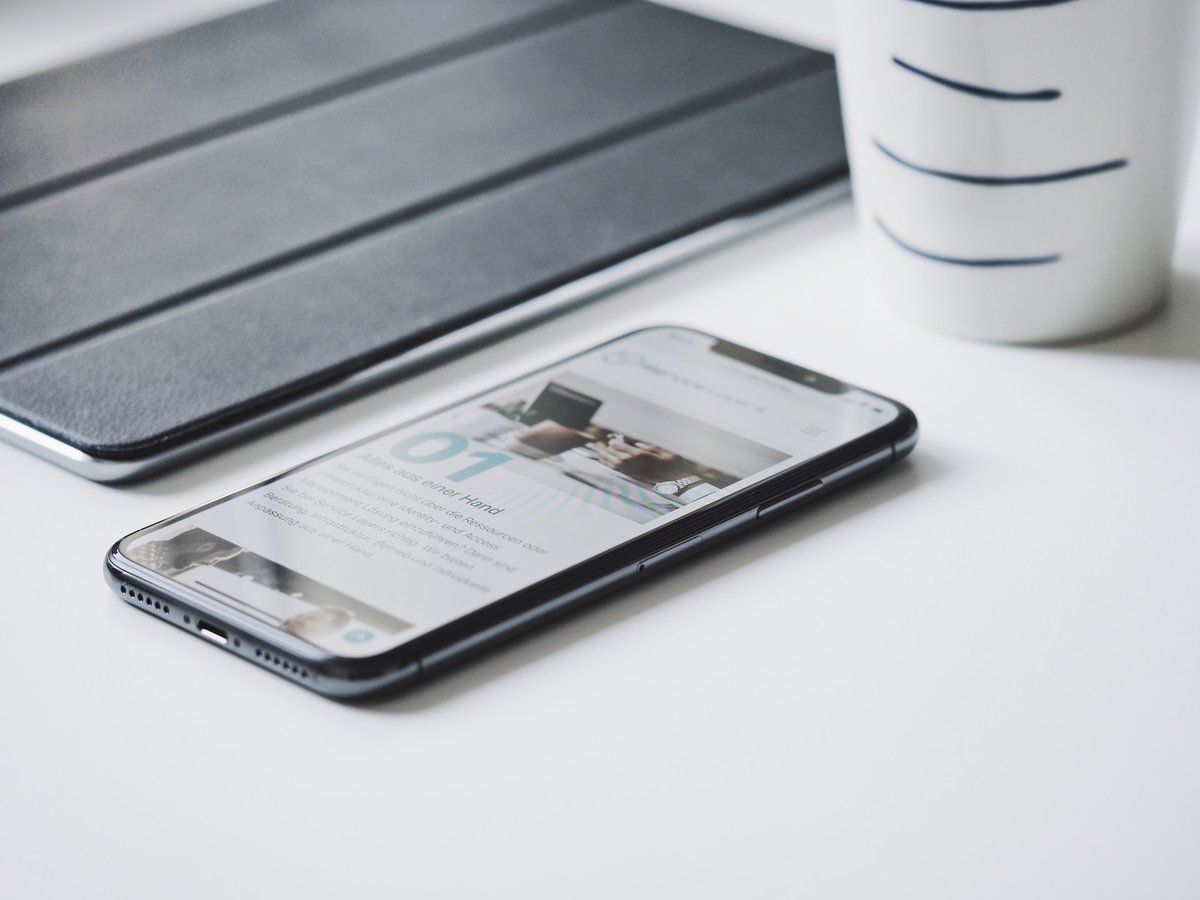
[
  {"x": 794, "y": 499},
  {"x": 662, "y": 556}
]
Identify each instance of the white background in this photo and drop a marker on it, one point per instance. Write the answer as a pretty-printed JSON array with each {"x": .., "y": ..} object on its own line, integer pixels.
[{"x": 975, "y": 677}]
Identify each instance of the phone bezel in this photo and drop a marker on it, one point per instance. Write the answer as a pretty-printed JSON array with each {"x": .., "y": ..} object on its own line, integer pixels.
[{"x": 607, "y": 569}]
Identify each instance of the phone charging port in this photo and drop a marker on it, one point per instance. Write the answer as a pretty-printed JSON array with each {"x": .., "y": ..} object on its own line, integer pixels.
[{"x": 214, "y": 634}]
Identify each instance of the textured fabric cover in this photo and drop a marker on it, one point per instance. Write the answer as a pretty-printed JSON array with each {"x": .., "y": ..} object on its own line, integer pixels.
[{"x": 342, "y": 208}]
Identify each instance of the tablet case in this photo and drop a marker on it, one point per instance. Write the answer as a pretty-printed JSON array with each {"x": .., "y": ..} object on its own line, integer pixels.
[{"x": 206, "y": 227}]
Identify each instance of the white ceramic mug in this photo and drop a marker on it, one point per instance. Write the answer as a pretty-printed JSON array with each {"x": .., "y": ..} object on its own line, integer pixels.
[{"x": 1016, "y": 163}]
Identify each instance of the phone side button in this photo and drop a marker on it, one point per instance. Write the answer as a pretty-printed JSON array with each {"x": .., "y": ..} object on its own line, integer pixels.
[
  {"x": 794, "y": 499},
  {"x": 651, "y": 562}
]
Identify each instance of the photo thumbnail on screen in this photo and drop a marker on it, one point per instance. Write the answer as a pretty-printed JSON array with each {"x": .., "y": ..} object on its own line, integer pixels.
[{"x": 635, "y": 457}]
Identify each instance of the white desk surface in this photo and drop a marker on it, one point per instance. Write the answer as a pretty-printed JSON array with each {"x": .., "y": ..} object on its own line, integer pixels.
[{"x": 975, "y": 677}]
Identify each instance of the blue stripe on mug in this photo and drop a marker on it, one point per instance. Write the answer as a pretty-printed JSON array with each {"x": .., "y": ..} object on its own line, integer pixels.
[
  {"x": 991, "y": 5},
  {"x": 973, "y": 262},
  {"x": 1004, "y": 180},
  {"x": 976, "y": 90}
]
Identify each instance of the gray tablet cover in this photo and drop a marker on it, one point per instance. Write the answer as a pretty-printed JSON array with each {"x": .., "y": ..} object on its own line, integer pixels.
[{"x": 200, "y": 228}]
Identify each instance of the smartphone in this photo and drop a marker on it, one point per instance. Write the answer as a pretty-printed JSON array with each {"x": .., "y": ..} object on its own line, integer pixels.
[{"x": 376, "y": 566}]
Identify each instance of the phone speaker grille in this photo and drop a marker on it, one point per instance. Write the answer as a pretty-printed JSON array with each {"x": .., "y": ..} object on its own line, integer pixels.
[
  {"x": 269, "y": 657},
  {"x": 146, "y": 600}
]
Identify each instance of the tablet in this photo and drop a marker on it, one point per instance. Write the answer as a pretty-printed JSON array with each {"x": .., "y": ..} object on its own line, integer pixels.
[{"x": 211, "y": 233}]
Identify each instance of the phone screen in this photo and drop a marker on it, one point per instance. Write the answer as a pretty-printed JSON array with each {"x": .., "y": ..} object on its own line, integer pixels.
[{"x": 371, "y": 546}]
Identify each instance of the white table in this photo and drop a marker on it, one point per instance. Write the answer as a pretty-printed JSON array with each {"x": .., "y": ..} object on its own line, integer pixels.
[{"x": 976, "y": 677}]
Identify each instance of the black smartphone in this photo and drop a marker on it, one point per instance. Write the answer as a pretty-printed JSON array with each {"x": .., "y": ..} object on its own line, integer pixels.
[{"x": 377, "y": 565}]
